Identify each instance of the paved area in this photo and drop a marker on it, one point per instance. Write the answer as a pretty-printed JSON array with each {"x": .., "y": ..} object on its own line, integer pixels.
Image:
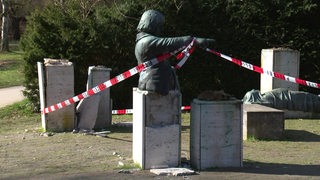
[{"x": 10, "y": 95}]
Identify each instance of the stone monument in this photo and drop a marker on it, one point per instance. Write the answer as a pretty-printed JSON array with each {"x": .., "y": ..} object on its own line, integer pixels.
[
  {"x": 281, "y": 60},
  {"x": 59, "y": 86},
  {"x": 95, "y": 111},
  {"x": 157, "y": 100},
  {"x": 216, "y": 131}
]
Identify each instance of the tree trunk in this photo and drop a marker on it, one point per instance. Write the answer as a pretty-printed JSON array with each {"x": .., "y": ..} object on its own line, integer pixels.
[
  {"x": 15, "y": 25},
  {"x": 5, "y": 26}
]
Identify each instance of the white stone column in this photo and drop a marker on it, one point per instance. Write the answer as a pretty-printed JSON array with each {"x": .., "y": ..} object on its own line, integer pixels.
[
  {"x": 41, "y": 82},
  {"x": 156, "y": 129},
  {"x": 59, "y": 87},
  {"x": 216, "y": 134},
  {"x": 281, "y": 60}
]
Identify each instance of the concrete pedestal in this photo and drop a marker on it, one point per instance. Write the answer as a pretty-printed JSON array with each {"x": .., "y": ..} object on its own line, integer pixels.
[
  {"x": 156, "y": 129},
  {"x": 281, "y": 60},
  {"x": 95, "y": 112},
  {"x": 216, "y": 134},
  {"x": 60, "y": 86},
  {"x": 262, "y": 122},
  {"x": 98, "y": 75}
]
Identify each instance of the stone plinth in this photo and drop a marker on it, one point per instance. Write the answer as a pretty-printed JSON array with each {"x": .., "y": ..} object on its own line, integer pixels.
[
  {"x": 262, "y": 122},
  {"x": 281, "y": 60},
  {"x": 95, "y": 112},
  {"x": 98, "y": 75},
  {"x": 59, "y": 87},
  {"x": 156, "y": 129},
  {"x": 216, "y": 134}
]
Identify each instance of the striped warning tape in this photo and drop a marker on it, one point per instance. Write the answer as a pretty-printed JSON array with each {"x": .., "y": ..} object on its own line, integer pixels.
[
  {"x": 122, "y": 111},
  {"x": 185, "y": 54},
  {"x": 130, "y": 111},
  {"x": 264, "y": 71},
  {"x": 118, "y": 79}
]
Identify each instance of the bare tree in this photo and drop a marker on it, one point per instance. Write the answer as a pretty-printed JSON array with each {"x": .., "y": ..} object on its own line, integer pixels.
[{"x": 5, "y": 26}]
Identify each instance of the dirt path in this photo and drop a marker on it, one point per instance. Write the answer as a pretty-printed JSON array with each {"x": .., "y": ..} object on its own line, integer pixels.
[
  {"x": 27, "y": 155},
  {"x": 10, "y": 95}
]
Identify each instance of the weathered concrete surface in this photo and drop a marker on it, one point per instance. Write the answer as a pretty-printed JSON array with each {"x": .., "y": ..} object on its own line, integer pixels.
[
  {"x": 95, "y": 112},
  {"x": 156, "y": 129},
  {"x": 162, "y": 146},
  {"x": 11, "y": 95},
  {"x": 283, "y": 60},
  {"x": 262, "y": 122},
  {"x": 216, "y": 134},
  {"x": 59, "y": 87},
  {"x": 88, "y": 112},
  {"x": 96, "y": 76}
]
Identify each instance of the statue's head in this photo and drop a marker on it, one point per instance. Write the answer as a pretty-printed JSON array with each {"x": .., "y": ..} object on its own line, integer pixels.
[{"x": 151, "y": 22}]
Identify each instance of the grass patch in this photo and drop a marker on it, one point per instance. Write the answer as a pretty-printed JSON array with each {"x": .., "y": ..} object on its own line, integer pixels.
[
  {"x": 300, "y": 145},
  {"x": 11, "y": 67},
  {"x": 122, "y": 118},
  {"x": 129, "y": 166},
  {"x": 18, "y": 116},
  {"x": 18, "y": 109},
  {"x": 11, "y": 55},
  {"x": 305, "y": 130}
]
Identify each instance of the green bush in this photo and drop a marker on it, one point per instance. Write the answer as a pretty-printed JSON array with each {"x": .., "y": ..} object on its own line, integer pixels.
[{"x": 64, "y": 32}]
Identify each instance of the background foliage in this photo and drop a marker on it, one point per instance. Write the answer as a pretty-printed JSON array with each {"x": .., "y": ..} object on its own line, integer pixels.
[{"x": 104, "y": 34}]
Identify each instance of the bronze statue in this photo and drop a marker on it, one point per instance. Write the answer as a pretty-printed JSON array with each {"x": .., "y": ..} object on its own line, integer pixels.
[{"x": 161, "y": 77}]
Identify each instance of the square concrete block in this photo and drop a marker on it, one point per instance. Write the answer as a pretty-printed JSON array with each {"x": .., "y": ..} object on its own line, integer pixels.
[
  {"x": 281, "y": 60},
  {"x": 215, "y": 135},
  {"x": 262, "y": 122},
  {"x": 156, "y": 129},
  {"x": 95, "y": 112},
  {"x": 98, "y": 75},
  {"x": 60, "y": 86},
  {"x": 162, "y": 146}
]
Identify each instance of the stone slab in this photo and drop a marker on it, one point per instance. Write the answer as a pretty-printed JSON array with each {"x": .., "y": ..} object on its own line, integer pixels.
[
  {"x": 162, "y": 146},
  {"x": 262, "y": 122},
  {"x": 156, "y": 129},
  {"x": 283, "y": 60},
  {"x": 96, "y": 76},
  {"x": 87, "y": 111},
  {"x": 59, "y": 87},
  {"x": 215, "y": 134}
]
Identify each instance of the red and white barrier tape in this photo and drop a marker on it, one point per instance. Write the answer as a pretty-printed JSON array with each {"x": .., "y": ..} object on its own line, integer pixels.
[
  {"x": 185, "y": 54},
  {"x": 264, "y": 71},
  {"x": 122, "y": 111},
  {"x": 130, "y": 111},
  {"x": 117, "y": 79}
]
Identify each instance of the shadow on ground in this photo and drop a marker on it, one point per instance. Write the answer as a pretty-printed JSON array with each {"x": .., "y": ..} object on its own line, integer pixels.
[
  {"x": 251, "y": 170},
  {"x": 274, "y": 169},
  {"x": 301, "y": 136}
]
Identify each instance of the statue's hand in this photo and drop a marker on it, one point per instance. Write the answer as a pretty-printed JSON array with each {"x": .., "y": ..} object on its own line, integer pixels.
[{"x": 204, "y": 42}]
